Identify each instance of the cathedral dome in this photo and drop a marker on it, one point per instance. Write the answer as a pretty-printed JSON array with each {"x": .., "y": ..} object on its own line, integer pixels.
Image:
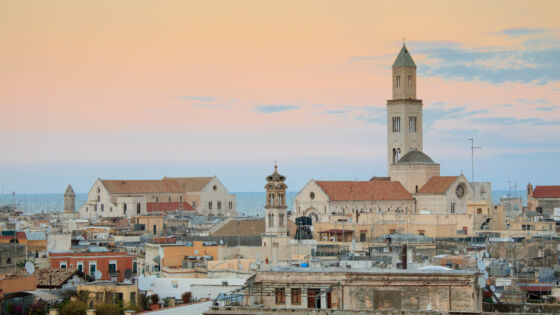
[{"x": 416, "y": 157}]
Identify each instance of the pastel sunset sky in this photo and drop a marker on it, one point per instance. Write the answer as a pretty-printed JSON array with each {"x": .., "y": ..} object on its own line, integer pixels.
[{"x": 146, "y": 89}]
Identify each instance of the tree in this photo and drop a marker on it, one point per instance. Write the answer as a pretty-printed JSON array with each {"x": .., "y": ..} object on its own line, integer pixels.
[
  {"x": 154, "y": 298},
  {"x": 74, "y": 308},
  {"x": 108, "y": 309},
  {"x": 186, "y": 297}
]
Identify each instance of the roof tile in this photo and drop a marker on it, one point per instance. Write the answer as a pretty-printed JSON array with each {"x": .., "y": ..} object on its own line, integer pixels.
[
  {"x": 437, "y": 184},
  {"x": 364, "y": 190},
  {"x": 546, "y": 192}
]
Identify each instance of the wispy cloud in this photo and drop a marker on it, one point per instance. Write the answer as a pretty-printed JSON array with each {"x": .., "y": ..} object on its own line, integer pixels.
[
  {"x": 522, "y": 31},
  {"x": 199, "y": 98},
  {"x": 547, "y": 108},
  {"x": 211, "y": 106},
  {"x": 269, "y": 109}
]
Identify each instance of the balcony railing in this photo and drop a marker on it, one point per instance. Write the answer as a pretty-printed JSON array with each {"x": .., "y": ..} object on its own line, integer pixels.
[{"x": 113, "y": 273}]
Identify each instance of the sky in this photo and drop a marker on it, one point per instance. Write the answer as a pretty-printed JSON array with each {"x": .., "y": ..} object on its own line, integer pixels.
[{"x": 145, "y": 89}]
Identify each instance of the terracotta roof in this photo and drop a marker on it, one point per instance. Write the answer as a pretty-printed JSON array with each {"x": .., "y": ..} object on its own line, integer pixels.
[
  {"x": 546, "y": 192},
  {"x": 49, "y": 277},
  {"x": 437, "y": 185},
  {"x": 242, "y": 227},
  {"x": 141, "y": 186},
  {"x": 364, "y": 190},
  {"x": 190, "y": 184}
]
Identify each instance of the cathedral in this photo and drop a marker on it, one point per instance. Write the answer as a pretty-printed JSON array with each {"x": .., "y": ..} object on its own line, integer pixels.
[{"x": 414, "y": 185}]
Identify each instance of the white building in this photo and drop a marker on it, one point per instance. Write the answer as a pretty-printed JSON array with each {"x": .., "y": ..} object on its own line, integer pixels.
[{"x": 127, "y": 198}]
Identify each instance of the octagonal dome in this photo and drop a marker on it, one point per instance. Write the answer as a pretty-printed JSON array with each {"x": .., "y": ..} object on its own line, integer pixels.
[{"x": 416, "y": 157}]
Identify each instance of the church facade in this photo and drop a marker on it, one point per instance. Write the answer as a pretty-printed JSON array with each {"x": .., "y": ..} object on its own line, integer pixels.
[{"x": 414, "y": 185}]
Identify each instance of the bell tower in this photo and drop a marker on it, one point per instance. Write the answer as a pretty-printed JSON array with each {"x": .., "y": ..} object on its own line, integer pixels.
[
  {"x": 69, "y": 200},
  {"x": 276, "y": 219},
  {"x": 404, "y": 111}
]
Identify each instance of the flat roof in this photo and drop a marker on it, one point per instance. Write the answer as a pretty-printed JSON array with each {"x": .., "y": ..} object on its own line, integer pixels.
[{"x": 366, "y": 270}]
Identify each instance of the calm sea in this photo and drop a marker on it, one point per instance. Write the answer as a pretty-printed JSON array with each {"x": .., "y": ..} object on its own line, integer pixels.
[{"x": 248, "y": 203}]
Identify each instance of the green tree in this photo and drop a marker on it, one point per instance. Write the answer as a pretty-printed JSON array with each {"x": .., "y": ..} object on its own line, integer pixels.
[
  {"x": 186, "y": 297},
  {"x": 108, "y": 309},
  {"x": 74, "y": 308}
]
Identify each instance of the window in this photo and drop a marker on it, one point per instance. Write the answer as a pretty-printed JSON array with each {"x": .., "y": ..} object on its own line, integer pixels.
[
  {"x": 219, "y": 205},
  {"x": 138, "y": 207},
  {"x": 63, "y": 265},
  {"x": 478, "y": 210},
  {"x": 398, "y": 81},
  {"x": 102, "y": 207},
  {"x": 421, "y": 232},
  {"x": 296, "y": 296},
  {"x": 281, "y": 219},
  {"x": 412, "y": 124},
  {"x": 124, "y": 207},
  {"x": 270, "y": 219},
  {"x": 194, "y": 204},
  {"x": 180, "y": 198},
  {"x": 230, "y": 205},
  {"x": 169, "y": 198},
  {"x": 112, "y": 267},
  {"x": 157, "y": 199},
  {"x": 134, "y": 267},
  {"x": 280, "y": 296},
  {"x": 452, "y": 206},
  {"x": 81, "y": 266},
  {"x": 210, "y": 205},
  {"x": 362, "y": 236},
  {"x": 409, "y": 80},
  {"x": 396, "y": 124},
  {"x": 92, "y": 268},
  {"x": 94, "y": 207}
]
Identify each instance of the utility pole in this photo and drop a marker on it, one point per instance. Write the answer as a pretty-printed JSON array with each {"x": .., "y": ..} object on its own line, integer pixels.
[{"x": 472, "y": 157}]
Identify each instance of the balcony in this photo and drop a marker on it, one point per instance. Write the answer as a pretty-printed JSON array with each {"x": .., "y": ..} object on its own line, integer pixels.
[{"x": 113, "y": 273}]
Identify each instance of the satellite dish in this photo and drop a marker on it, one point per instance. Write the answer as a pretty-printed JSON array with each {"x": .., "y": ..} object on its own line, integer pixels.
[
  {"x": 481, "y": 282},
  {"x": 97, "y": 274},
  {"x": 128, "y": 274},
  {"x": 240, "y": 266},
  {"x": 196, "y": 251},
  {"x": 481, "y": 265},
  {"x": 29, "y": 267}
]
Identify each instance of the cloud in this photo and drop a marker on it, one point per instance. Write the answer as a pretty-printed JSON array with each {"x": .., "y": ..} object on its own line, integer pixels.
[
  {"x": 199, "y": 98},
  {"x": 211, "y": 106},
  {"x": 269, "y": 109},
  {"x": 546, "y": 109},
  {"x": 522, "y": 31},
  {"x": 528, "y": 64},
  {"x": 340, "y": 111}
]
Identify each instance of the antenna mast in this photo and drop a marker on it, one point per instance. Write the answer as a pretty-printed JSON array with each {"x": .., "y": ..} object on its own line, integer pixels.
[{"x": 472, "y": 157}]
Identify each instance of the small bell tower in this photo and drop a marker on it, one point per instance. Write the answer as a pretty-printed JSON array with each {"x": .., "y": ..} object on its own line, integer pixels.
[{"x": 276, "y": 219}]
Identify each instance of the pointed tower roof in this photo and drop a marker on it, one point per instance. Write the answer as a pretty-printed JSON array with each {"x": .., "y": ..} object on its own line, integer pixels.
[
  {"x": 275, "y": 176},
  {"x": 69, "y": 191},
  {"x": 404, "y": 59}
]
